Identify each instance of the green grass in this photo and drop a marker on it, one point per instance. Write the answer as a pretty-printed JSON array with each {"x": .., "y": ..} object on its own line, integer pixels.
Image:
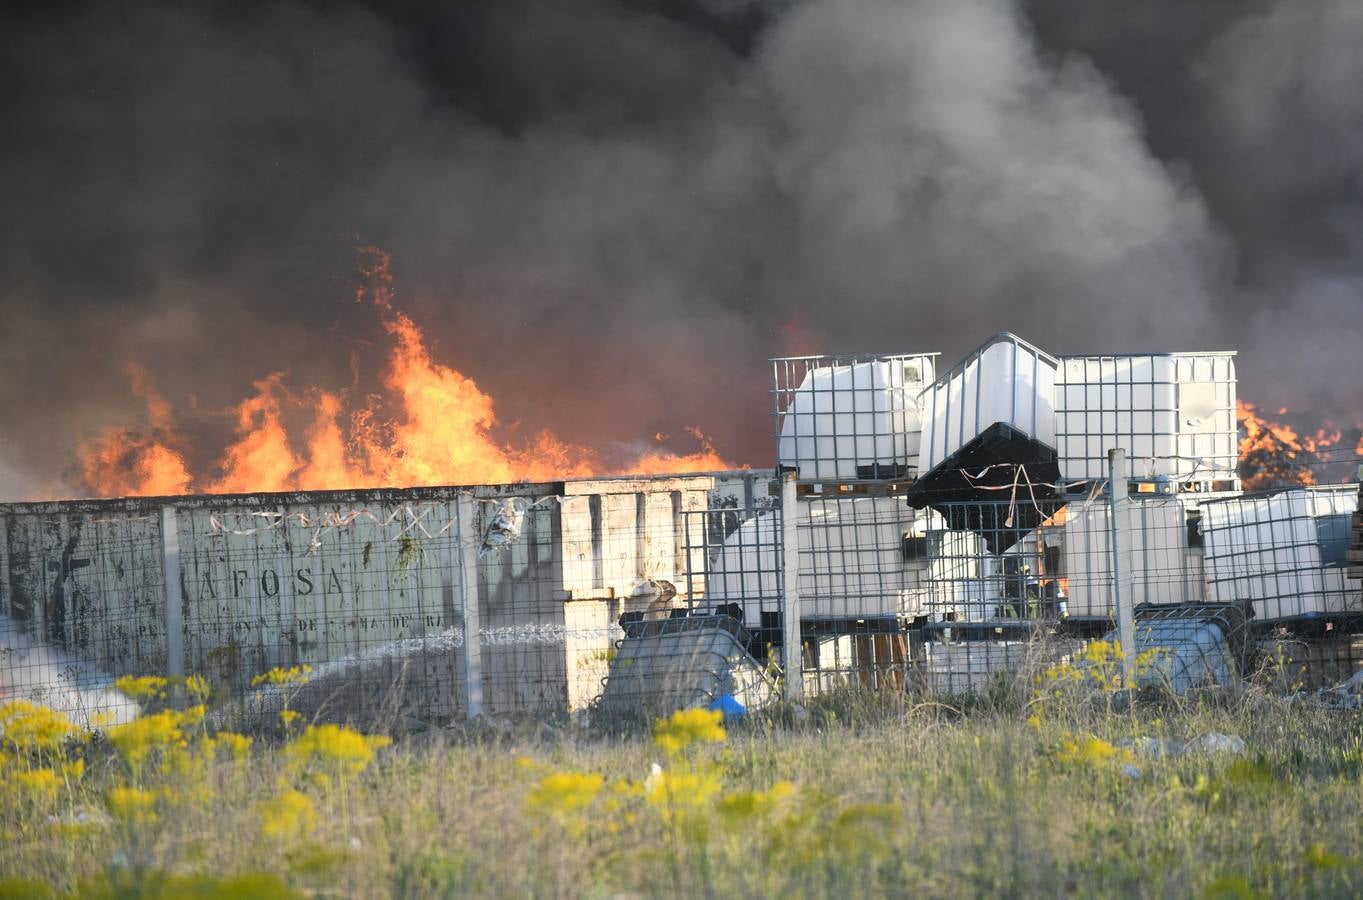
[{"x": 888, "y": 798}]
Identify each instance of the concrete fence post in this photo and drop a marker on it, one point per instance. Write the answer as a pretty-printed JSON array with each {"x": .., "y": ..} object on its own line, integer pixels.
[
  {"x": 792, "y": 653},
  {"x": 1121, "y": 562},
  {"x": 465, "y": 562},
  {"x": 174, "y": 612}
]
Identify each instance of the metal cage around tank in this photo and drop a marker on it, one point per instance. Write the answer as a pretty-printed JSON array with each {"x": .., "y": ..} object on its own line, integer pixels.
[{"x": 851, "y": 418}]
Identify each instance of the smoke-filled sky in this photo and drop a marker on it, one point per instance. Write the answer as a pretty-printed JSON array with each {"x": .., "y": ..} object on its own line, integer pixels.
[{"x": 611, "y": 214}]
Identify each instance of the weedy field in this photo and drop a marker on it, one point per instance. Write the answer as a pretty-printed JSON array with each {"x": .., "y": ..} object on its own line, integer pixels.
[{"x": 1049, "y": 789}]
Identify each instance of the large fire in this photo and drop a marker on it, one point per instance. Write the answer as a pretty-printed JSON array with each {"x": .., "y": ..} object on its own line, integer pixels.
[
  {"x": 442, "y": 432},
  {"x": 1274, "y": 454}
]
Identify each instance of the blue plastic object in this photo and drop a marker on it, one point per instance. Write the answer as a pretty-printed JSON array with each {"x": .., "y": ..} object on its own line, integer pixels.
[{"x": 729, "y": 706}]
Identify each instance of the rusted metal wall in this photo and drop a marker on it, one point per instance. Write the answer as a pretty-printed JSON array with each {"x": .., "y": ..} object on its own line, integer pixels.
[{"x": 363, "y": 585}]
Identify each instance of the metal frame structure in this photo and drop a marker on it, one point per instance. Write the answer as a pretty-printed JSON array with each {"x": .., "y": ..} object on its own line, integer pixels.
[
  {"x": 1174, "y": 414},
  {"x": 849, "y": 419},
  {"x": 967, "y": 418}
]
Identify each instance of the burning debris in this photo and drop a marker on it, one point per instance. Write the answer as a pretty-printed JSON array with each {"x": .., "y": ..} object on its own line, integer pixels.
[
  {"x": 433, "y": 425},
  {"x": 1273, "y": 454}
]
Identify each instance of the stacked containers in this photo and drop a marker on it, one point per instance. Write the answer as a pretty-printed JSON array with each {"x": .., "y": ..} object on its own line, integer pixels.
[
  {"x": 1284, "y": 553},
  {"x": 852, "y": 424},
  {"x": 1007, "y": 381},
  {"x": 1173, "y": 413},
  {"x": 850, "y": 418}
]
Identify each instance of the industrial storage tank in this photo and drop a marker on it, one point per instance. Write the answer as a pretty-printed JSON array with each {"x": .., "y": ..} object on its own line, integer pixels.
[
  {"x": 850, "y": 418},
  {"x": 1286, "y": 553},
  {"x": 1005, "y": 381},
  {"x": 989, "y": 434},
  {"x": 1162, "y": 569},
  {"x": 853, "y": 562},
  {"x": 1174, "y": 414}
]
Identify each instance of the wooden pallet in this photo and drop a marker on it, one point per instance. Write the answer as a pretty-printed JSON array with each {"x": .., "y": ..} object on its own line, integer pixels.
[{"x": 851, "y": 488}]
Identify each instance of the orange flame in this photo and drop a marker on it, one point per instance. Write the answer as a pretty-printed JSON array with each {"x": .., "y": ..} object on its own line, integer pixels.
[
  {"x": 127, "y": 462},
  {"x": 1274, "y": 454},
  {"x": 660, "y": 462},
  {"x": 443, "y": 432}
]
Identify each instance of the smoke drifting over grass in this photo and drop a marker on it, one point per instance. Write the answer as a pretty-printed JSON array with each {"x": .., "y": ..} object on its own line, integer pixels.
[{"x": 611, "y": 214}]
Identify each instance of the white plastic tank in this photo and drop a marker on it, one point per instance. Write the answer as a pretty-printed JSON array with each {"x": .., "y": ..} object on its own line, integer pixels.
[
  {"x": 1006, "y": 380},
  {"x": 1285, "y": 553},
  {"x": 848, "y": 422},
  {"x": 1173, "y": 413},
  {"x": 963, "y": 579},
  {"x": 1163, "y": 569},
  {"x": 852, "y": 561}
]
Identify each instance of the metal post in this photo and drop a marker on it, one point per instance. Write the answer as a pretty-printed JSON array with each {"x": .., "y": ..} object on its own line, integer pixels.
[
  {"x": 1121, "y": 551},
  {"x": 792, "y": 653},
  {"x": 170, "y": 569},
  {"x": 465, "y": 552}
]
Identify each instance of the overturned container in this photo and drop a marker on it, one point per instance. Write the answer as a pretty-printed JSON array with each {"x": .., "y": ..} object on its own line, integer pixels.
[
  {"x": 989, "y": 434},
  {"x": 1285, "y": 554},
  {"x": 669, "y": 664},
  {"x": 1189, "y": 646}
]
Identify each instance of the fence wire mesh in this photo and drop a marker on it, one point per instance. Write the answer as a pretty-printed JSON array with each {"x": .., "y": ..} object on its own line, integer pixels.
[{"x": 417, "y": 608}]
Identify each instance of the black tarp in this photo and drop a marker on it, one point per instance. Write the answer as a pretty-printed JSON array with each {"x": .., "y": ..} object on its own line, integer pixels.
[{"x": 1000, "y": 485}]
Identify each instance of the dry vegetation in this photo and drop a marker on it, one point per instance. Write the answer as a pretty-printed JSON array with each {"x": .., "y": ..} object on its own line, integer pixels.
[{"x": 1035, "y": 792}]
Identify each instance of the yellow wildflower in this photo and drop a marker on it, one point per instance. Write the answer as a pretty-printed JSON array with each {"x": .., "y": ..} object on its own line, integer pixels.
[
  {"x": 133, "y": 805},
  {"x": 745, "y": 805},
  {"x": 687, "y": 727},
  {"x": 198, "y": 687},
  {"x": 675, "y": 790},
  {"x": 280, "y": 676},
  {"x": 564, "y": 792},
  {"x": 334, "y": 746},
  {"x": 28, "y": 726},
  {"x": 137, "y": 739},
  {"x": 41, "y": 782},
  {"x": 146, "y": 687},
  {"x": 287, "y": 716},
  {"x": 73, "y": 770},
  {"x": 1093, "y": 751},
  {"x": 239, "y": 745},
  {"x": 289, "y": 815}
]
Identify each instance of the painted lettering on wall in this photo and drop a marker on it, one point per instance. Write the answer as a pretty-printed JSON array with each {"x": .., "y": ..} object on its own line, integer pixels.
[{"x": 268, "y": 583}]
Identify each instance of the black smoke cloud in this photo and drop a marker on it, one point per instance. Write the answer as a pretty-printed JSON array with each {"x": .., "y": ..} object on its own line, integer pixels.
[{"x": 608, "y": 212}]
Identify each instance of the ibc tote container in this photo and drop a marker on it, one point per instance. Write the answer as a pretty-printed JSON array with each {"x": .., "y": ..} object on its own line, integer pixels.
[
  {"x": 1174, "y": 414},
  {"x": 1284, "y": 553},
  {"x": 852, "y": 563},
  {"x": 1163, "y": 569},
  {"x": 850, "y": 418},
  {"x": 1005, "y": 381},
  {"x": 964, "y": 580}
]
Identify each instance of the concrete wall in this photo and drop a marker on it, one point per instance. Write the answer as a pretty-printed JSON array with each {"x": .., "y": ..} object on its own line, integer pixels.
[{"x": 362, "y": 585}]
